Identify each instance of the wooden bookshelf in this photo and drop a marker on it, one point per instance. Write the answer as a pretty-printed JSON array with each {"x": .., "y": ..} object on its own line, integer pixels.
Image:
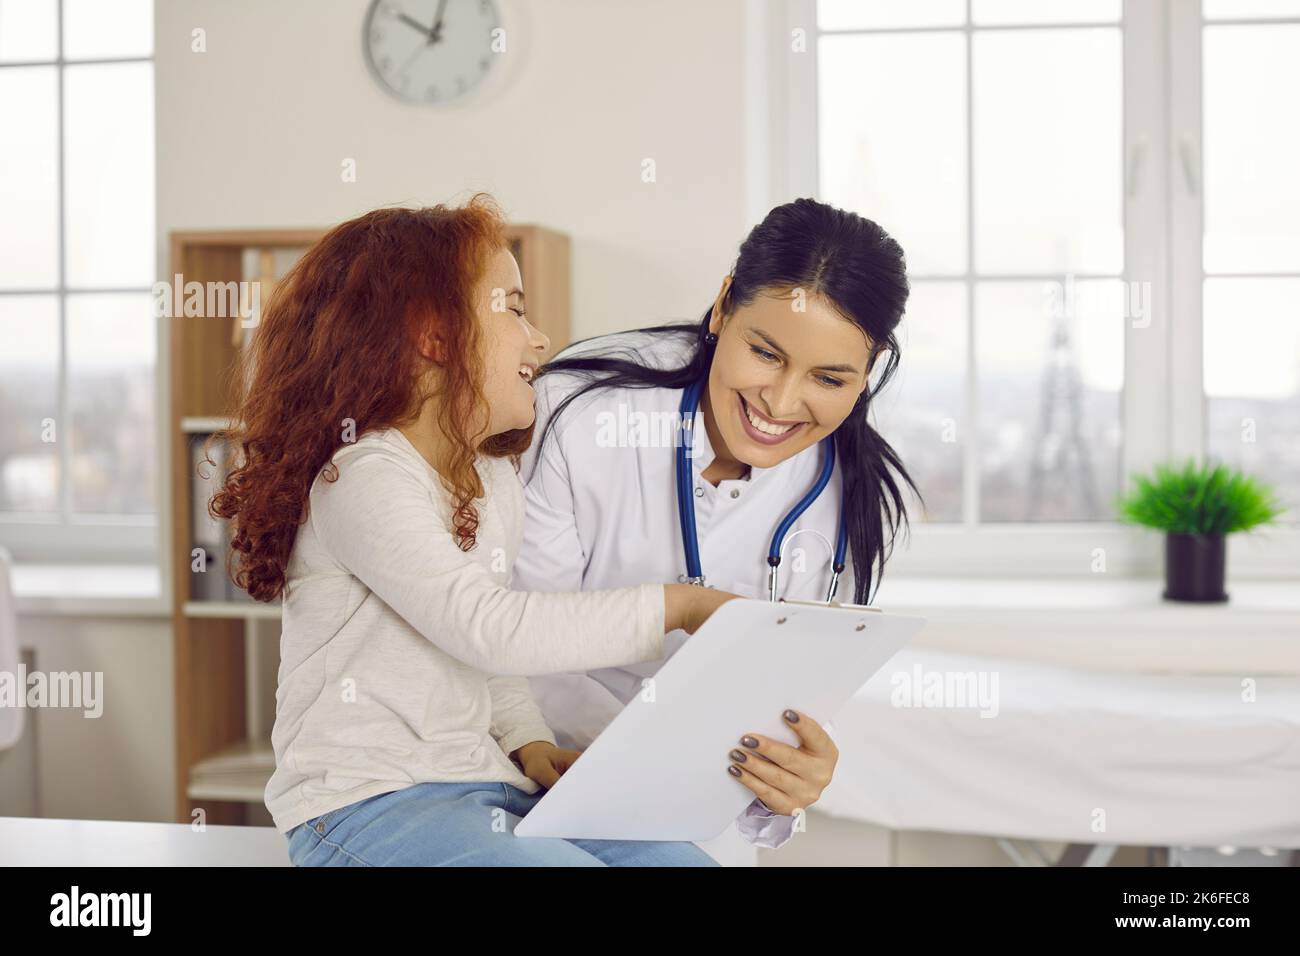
[{"x": 223, "y": 751}]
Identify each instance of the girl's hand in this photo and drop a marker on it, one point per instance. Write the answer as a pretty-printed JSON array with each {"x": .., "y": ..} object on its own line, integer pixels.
[
  {"x": 688, "y": 606},
  {"x": 544, "y": 762},
  {"x": 786, "y": 778}
]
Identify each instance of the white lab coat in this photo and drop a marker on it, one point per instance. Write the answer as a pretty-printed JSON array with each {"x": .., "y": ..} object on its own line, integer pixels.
[{"x": 601, "y": 512}]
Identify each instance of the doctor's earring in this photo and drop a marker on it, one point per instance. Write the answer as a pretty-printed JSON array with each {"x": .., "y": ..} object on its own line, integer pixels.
[{"x": 710, "y": 338}]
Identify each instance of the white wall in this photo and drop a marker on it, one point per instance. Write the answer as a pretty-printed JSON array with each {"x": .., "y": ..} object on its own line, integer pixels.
[
  {"x": 252, "y": 133},
  {"x": 118, "y": 766}
]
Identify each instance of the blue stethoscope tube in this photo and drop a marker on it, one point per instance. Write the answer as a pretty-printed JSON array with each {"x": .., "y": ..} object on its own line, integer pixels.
[{"x": 686, "y": 504}]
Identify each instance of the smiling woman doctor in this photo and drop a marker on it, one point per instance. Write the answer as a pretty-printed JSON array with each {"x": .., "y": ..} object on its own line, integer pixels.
[{"x": 772, "y": 388}]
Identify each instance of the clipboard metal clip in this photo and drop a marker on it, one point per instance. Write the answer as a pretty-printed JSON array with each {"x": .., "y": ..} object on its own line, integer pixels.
[{"x": 840, "y": 604}]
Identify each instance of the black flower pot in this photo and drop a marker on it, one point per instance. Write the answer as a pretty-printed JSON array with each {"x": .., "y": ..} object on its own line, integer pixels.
[{"x": 1194, "y": 567}]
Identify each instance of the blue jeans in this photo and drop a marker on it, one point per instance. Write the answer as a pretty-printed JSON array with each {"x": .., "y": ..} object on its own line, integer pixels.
[{"x": 461, "y": 824}]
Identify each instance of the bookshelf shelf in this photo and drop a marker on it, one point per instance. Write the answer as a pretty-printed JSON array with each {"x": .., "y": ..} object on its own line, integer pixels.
[
  {"x": 238, "y": 773},
  {"x": 198, "y": 425},
  {"x": 245, "y": 788},
  {"x": 233, "y": 609},
  {"x": 223, "y": 675}
]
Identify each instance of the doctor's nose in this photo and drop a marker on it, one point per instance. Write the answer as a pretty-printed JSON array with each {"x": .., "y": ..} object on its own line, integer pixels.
[{"x": 782, "y": 398}]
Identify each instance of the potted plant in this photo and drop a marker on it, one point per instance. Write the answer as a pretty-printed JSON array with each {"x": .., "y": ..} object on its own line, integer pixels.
[{"x": 1197, "y": 506}]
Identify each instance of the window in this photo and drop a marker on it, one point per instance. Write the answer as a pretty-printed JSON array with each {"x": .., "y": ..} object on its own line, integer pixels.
[
  {"x": 991, "y": 148},
  {"x": 1073, "y": 319},
  {"x": 1250, "y": 281},
  {"x": 78, "y": 436}
]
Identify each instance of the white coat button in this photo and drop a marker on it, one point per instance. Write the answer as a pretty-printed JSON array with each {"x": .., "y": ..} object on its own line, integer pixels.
[
  {"x": 735, "y": 492},
  {"x": 699, "y": 492}
]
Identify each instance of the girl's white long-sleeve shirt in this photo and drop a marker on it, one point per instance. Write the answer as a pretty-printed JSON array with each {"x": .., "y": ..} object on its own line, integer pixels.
[{"x": 404, "y": 659}]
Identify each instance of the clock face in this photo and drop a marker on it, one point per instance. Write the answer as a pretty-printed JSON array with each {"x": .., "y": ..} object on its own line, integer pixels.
[{"x": 430, "y": 51}]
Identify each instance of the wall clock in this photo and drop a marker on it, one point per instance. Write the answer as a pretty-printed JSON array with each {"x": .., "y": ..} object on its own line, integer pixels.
[{"x": 433, "y": 52}]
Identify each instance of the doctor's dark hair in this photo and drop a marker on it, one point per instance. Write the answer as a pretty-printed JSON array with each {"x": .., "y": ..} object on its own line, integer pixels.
[{"x": 858, "y": 267}]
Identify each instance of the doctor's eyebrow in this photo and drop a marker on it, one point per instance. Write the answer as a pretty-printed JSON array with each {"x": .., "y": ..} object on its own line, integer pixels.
[
  {"x": 821, "y": 368},
  {"x": 518, "y": 292}
]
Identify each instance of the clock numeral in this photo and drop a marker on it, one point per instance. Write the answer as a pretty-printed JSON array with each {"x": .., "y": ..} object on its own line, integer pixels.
[
  {"x": 460, "y": 84},
  {"x": 431, "y": 94},
  {"x": 376, "y": 36},
  {"x": 385, "y": 64}
]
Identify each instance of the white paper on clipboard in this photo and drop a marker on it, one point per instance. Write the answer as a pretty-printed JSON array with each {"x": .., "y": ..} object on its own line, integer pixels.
[{"x": 659, "y": 770}]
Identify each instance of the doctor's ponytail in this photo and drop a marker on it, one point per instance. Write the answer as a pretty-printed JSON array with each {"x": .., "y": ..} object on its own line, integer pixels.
[{"x": 853, "y": 263}]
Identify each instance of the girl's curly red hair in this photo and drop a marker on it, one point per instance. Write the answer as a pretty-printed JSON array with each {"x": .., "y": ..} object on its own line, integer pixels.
[{"x": 335, "y": 355}]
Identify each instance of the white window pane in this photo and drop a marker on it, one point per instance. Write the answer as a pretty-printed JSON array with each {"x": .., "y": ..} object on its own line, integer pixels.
[
  {"x": 95, "y": 29},
  {"x": 854, "y": 14},
  {"x": 29, "y": 183},
  {"x": 109, "y": 175},
  {"x": 1050, "y": 359},
  {"x": 1249, "y": 9},
  {"x": 1047, "y": 128},
  {"x": 29, "y": 30},
  {"x": 922, "y": 411},
  {"x": 1252, "y": 380},
  {"x": 1252, "y": 148},
  {"x": 984, "y": 12},
  {"x": 111, "y": 359},
  {"x": 29, "y": 404},
  {"x": 893, "y": 141}
]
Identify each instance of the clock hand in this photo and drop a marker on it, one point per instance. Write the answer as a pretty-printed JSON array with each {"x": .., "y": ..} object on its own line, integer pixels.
[
  {"x": 411, "y": 22},
  {"x": 401, "y": 71},
  {"x": 435, "y": 32}
]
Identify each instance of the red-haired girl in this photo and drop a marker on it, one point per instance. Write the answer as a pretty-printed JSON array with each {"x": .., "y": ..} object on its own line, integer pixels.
[{"x": 390, "y": 393}]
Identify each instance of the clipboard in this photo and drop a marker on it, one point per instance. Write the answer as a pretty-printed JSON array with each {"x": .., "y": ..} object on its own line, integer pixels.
[{"x": 659, "y": 770}]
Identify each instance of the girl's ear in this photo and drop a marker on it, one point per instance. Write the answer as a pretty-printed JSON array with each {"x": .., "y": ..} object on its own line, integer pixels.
[{"x": 431, "y": 347}]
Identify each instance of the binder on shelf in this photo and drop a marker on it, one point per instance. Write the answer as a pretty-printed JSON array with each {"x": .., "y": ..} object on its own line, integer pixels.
[{"x": 208, "y": 579}]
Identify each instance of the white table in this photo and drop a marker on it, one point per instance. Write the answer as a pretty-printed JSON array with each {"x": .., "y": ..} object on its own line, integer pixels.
[{"x": 30, "y": 841}]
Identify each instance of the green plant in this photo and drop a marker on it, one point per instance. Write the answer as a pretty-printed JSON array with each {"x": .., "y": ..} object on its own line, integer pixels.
[{"x": 1198, "y": 499}]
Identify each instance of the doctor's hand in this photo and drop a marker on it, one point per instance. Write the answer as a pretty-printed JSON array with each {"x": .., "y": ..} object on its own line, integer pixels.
[
  {"x": 688, "y": 606},
  {"x": 544, "y": 762},
  {"x": 786, "y": 778}
]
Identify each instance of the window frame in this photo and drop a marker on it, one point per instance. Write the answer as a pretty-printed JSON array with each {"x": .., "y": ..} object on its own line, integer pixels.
[
  {"x": 1162, "y": 218},
  {"x": 68, "y": 536}
]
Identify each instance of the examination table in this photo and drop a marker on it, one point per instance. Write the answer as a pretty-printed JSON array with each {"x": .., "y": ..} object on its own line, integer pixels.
[{"x": 1076, "y": 756}]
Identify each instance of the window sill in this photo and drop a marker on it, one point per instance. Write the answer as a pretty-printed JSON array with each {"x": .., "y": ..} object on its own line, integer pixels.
[
  {"x": 1106, "y": 624},
  {"x": 1103, "y": 624},
  {"x": 89, "y": 590}
]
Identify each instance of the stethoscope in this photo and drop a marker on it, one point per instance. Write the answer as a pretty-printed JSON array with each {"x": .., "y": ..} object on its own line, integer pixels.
[{"x": 686, "y": 504}]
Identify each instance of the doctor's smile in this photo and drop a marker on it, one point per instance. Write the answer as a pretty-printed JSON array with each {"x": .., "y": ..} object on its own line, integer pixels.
[
  {"x": 763, "y": 429},
  {"x": 787, "y": 369}
]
